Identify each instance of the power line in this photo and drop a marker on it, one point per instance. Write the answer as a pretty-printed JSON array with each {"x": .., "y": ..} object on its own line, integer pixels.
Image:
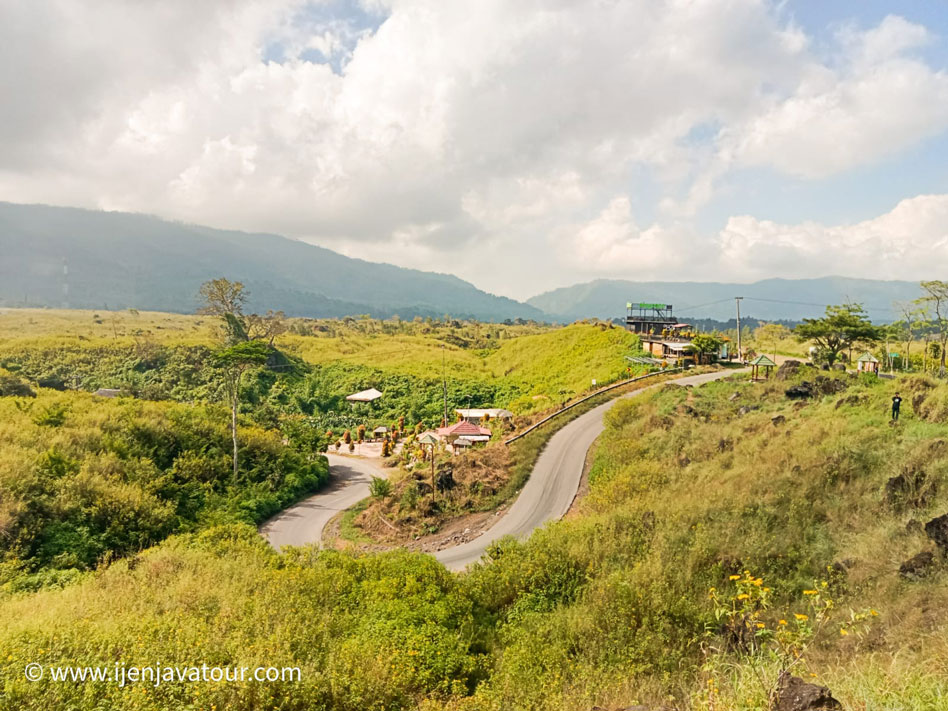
[
  {"x": 701, "y": 306},
  {"x": 808, "y": 303}
]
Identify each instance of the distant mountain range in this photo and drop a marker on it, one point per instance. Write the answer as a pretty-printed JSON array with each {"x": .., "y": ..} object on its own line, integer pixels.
[
  {"x": 770, "y": 299},
  {"x": 121, "y": 260}
]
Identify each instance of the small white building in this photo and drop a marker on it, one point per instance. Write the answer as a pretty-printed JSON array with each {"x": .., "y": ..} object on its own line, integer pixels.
[{"x": 476, "y": 414}]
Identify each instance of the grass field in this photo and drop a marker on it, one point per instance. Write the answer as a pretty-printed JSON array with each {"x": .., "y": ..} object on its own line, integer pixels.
[
  {"x": 526, "y": 367},
  {"x": 708, "y": 524}
]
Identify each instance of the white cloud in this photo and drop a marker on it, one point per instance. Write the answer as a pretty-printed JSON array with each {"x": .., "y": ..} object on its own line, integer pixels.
[
  {"x": 909, "y": 242},
  {"x": 612, "y": 243},
  {"x": 479, "y": 138},
  {"x": 879, "y": 102}
]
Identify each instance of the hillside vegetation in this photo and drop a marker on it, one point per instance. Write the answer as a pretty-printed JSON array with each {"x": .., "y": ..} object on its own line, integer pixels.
[
  {"x": 84, "y": 479},
  {"x": 729, "y": 531},
  {"x": 166, "y": 356}
]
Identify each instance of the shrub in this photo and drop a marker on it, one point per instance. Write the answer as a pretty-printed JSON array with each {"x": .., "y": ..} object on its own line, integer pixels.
[{"x": 380, "y": 488}]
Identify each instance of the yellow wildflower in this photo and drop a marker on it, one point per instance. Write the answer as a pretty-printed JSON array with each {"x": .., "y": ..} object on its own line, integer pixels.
[
  {"x": 811, "y": 592},
  {"x": 782, "y": 622},
  {"x": 801, "y": 617},
  {"x": 843, "y": 632},
  {"x": 743, "y": 596},
  {"x": 735, "y": 577}
]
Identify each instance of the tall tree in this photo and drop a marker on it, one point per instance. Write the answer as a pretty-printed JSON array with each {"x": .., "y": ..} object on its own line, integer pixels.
[
  {"x": 248, "y": 339},
  {"x": 226, "y": 300},
  {"x": 913, "y": 325},
  {"x": 234, "y": 361},
  {"x": 839, "y": 329},
  {"x": 935, "y": 297}
]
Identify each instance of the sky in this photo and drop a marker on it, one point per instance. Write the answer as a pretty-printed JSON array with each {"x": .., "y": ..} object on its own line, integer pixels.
[{"x": 523, "y": 145}]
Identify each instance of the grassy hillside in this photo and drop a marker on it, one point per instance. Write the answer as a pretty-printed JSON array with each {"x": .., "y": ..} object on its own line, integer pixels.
[
  {"x": 162, "y": 356},
  {"x": 715, "y": 515},
  {"x": 128, "y": 260}
]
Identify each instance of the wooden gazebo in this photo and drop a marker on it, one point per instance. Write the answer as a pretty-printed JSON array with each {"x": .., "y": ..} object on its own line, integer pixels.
[{"x": 759, "y": 362}]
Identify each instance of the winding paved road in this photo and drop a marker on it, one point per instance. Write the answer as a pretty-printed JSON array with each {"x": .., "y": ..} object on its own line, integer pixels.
[
  {"x": 553, "y": 484},
  {"x": 304, "y": 522},
  {"x": 546, "y": 496}
]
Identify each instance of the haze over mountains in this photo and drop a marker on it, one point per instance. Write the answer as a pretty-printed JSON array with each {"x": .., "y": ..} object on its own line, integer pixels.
[
  {"x": 120, "y": 260},
  {"x": 769, "y": 299},
  {"x": 123, "y": 260}
]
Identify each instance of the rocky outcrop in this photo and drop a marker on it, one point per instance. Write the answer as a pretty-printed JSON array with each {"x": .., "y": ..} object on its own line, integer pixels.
[
  {"x": 910, "y": 488},
  {"x": 821, "y": 385},
  {"x": 803, "y": 390},
  {"x": 937, "y": 530},
  {"x": 794, "y": 694},
  {"x": 918, "y": 566},
  {"x": 788, "y": 370}
]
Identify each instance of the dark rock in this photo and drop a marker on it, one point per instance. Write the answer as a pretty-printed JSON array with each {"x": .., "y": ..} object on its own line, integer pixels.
[
  {"x": 747, "y": 409},
  {"x": 794, "y": 694},
  {"x": 910, "y": 488},
  {"x": 918, "y": 566},
  {"x": 821, "y": 385},
  {"x": 778, "y": 420},
  {"x": 803, "y": 390},
  {"x": 725, "y": 445},
  {"x": 787, "y": 370},
  {"x": 445, "y": 479},
  {"x": 429, "y": 507},
  {"x": 840, "y": 367},
  {"x": 849, "y": 401},
  {"x": 840, "y": 567},
  {"x": 734, "y": 396},
  {"x": 828, "y": 386},
  {"x": 937, "y": 530}
]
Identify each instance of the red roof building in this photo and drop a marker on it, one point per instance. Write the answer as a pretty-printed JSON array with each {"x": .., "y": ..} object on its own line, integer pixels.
[{"x": 463, "y": 429}]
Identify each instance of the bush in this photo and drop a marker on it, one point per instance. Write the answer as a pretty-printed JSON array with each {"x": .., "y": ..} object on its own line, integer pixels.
[{"x": 380, "y": 488}]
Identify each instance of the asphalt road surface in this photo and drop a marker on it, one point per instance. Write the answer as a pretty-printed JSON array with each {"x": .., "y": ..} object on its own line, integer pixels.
[
  {"x": 553, "y": 484},
  {"x": 546, "y": 496},
  {"x": 304, "y": 522}
]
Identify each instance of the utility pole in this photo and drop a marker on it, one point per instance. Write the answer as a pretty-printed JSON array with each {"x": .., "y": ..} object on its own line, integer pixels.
[
  {"x": 737, "y": 300},
  {"x": 444, "y": 386}
]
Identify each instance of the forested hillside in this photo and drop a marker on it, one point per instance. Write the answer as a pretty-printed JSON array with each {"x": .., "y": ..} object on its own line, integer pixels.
[{"x": 122, "y": 260}]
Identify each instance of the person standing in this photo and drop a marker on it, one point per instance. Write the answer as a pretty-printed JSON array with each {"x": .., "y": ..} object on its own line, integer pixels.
[{"x": 896, "y": 405}]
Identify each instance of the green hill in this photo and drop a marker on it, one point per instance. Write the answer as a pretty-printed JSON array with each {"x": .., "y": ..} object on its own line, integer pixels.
[
  {"x": 122, "y": 260},
  {"x": 729, "y": 531}
]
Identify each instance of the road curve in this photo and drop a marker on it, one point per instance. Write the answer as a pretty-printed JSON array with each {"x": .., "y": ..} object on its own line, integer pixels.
[
  {"x": 304, "y": 522},
  {"x": 553, "y": 484}
]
